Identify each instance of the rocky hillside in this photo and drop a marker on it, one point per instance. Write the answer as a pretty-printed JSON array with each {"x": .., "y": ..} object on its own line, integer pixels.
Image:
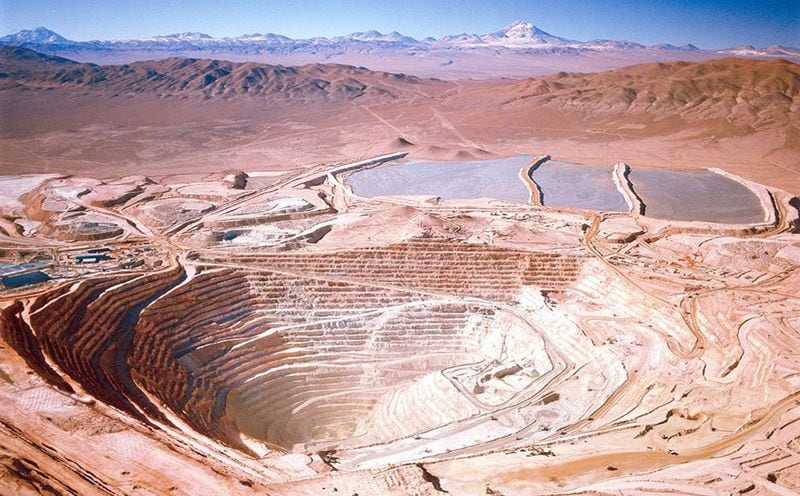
[
  {"x": 24, "y": 69},
  {"x": 744, "y": 93}
]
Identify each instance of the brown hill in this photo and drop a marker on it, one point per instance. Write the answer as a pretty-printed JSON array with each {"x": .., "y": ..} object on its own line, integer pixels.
[
  {"x": 189, "y": 116},
  {"x": 744, "y": 93},
  {"x": 24, "y": 69}
]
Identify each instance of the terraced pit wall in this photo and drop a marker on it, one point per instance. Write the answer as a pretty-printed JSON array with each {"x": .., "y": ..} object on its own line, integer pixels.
[
  {"x": 250, "y": 353},
  {"x": 433, "y": 264}
]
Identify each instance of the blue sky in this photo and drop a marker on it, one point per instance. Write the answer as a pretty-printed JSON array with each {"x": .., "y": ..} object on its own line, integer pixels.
[{"x": 706, "y": 23}]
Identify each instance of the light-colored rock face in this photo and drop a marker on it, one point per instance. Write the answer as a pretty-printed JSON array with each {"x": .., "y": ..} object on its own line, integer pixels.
[{"x": 258, "y": 339}]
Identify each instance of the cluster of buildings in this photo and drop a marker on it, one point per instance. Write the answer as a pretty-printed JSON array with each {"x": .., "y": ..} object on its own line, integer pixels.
[
  {"x": 17, "y": 275},
  {"x": 22, "y": 274},
  {"x": 94, "y": 255}
]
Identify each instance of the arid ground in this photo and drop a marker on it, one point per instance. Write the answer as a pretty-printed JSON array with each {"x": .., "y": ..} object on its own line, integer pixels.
[
  {"x": 197, "y": 300},
  {"x": 187, "y": 118}
]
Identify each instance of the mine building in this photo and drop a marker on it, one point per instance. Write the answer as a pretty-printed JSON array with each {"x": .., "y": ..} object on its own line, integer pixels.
[
  {"x": 23, "y": 274},
  {"x": 91, "y": 258}
]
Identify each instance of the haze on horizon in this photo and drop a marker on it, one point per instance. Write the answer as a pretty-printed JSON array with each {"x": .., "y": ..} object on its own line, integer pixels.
[{"x": 710, "y": 24}]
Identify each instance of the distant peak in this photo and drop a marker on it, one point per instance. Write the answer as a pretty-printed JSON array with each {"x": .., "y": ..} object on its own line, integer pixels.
[
  {"x": 520, "y": 24},
  {"x": 39, "y": 34},
  {"x": 189, "y": 36},
  {"x": 523, "y": 34},
  {"x": 193, "y": 34},
  {"x": 374, "y": 35},
  {"x": 522, "y": 29}
]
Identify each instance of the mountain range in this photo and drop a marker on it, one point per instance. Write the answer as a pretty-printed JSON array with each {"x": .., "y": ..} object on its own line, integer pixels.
[
  {"x": 524, "y": 49},
  {"x": 750, "y": 91},
  {"x": 203, "y": 114},
  {"x": 23, "y": 69}
]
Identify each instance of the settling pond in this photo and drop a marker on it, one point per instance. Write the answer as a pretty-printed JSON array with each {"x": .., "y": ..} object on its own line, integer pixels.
[
  {"x": 588, "y": 187},
  {"x": 684, "y": 195},
  {"x": 698, "y": 194},
  {"x": 497, "y": 179}
]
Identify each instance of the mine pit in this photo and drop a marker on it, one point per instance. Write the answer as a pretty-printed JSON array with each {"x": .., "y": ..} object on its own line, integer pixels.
[
  {"x": 288, "y": 361},
  {"x": 285, "y": 335}
]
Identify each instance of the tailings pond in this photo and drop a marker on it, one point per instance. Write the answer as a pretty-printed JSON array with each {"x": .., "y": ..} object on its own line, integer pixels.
[
  {"x": 498, "y": 179},
  {"x": 588, "y": 187},
  {"x": 684, "y": 195},
  {"x": 693, "y": 195}
]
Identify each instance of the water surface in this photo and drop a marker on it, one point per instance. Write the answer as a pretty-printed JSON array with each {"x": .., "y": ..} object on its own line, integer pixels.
[
  {"x": 497, "y": 179},
  {"x": 685, "y": 195},
  {"x": 587, "y": 187},
  {"x": 698, "y": 194}
]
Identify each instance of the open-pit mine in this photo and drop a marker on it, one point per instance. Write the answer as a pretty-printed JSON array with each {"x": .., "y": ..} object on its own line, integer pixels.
[
  {"x": 236, "y": 278},
  {"x": 331, "y": 332}
]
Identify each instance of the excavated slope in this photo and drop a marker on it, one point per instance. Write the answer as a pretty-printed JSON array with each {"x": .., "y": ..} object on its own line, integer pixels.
[{"x": 288, "y": 359}]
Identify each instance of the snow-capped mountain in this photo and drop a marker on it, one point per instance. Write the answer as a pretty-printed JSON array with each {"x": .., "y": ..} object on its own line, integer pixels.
[
  {"x": 36, "y": 36},
  {"x": 376, "y": 36},
  {"x": 770, "y": 51},
  {"x": 667, "y": 46},
  {"x": 520, "y": 34},
  {"x": 521, "y": 45},
  {"x": 178, "y": 37},
  {"x": 460, "y": 39},
  {"x": 261, "y": 38},
  {"x": 517, "y": 35},
  {"x": 613, "y": 45}
]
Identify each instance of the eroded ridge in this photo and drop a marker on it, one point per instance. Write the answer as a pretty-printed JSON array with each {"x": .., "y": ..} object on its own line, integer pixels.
[{"x": 297, "y": 339}]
